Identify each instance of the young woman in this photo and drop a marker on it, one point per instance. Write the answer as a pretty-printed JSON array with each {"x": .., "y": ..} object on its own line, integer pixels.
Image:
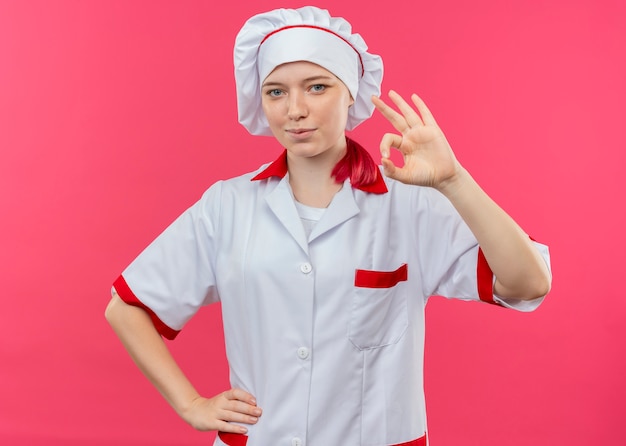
[{"x": 322, "y": 264}]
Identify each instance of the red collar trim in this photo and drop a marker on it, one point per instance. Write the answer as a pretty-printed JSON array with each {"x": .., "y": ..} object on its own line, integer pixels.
[
  {"x": 278, "y": 168},
  {"x": 378, "y": 186}
]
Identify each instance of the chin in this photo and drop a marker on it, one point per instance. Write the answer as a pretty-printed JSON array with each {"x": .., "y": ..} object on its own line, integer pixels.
[{"x": 306, "y": 150}]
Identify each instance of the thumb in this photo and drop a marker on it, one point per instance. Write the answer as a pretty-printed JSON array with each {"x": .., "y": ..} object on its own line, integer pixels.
[{"x": 389, "y": 168}]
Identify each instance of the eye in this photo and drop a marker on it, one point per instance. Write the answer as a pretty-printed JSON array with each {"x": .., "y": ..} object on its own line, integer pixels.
[
  {"x": 318, "y": 88},
  {"x": 274, "y": 92}
]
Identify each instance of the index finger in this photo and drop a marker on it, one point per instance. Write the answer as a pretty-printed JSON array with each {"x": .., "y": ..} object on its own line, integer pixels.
[{"x": 240, "y": 395}]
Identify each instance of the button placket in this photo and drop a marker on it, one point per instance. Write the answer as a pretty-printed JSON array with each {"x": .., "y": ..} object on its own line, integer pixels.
[{"x": 303, "y": 353}]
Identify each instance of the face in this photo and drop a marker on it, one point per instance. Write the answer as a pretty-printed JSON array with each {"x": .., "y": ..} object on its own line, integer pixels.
[{"x": 307, "y": 109}]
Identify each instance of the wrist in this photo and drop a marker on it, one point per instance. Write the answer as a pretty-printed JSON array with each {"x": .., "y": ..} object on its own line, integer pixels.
[
  {"x": 452, "y": 186},
  {"x": 184, "y": 405}
]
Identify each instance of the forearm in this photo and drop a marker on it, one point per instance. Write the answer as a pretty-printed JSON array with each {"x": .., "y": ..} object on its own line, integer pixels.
[
  {"x": 148, "y": 350},
  {"x": 520, "y": 271}
]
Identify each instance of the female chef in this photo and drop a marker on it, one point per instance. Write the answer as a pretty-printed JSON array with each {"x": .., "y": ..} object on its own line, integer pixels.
[{"x": 322, "y": 264}]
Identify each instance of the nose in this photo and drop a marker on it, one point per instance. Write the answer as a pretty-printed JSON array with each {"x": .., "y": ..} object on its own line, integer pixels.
[{"x": 297, "y": 106}]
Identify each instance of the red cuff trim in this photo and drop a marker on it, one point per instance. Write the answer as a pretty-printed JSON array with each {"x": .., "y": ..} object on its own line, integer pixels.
[
  {"x": 418, "y": 442},
  {"x": 233, "y": 439},
  {"x": 380, "y": 279},
  {"x": 484, "y": 277},
  {"x": 127, "y": 295}
]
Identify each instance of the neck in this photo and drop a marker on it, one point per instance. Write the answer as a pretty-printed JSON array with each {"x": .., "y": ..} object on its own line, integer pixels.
[{"x": 310, "y": 177}]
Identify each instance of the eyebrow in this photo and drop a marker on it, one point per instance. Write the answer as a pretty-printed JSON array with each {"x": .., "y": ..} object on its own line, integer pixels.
[{"x": 308, "y": 79}]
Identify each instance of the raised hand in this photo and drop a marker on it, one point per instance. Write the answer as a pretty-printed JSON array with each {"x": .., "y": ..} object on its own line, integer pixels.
[{"x": 428, "y": 158}]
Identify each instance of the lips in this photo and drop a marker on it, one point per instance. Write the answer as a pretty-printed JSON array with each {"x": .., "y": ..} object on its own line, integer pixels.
[
  {"x": 297, "y": 131},
  {"x": 300, "y": 133}
]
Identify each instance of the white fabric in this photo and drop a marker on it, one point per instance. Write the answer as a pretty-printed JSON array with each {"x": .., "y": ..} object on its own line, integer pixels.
[
  {"x": 248, "y": 48},
  {"x": 329, "y": 363},
  {"x": 313, "y": 45},
  {"x": 309, "y": 216}
]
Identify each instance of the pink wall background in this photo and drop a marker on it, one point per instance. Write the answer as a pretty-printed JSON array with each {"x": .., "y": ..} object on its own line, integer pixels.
[{"x": 116, "y": 115}]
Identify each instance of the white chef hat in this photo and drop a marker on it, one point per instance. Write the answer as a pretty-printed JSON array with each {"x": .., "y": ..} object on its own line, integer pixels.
[{"x": 306, "y": 34}]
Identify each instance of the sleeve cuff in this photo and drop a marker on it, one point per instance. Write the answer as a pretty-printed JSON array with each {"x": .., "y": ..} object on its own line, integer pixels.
[
  {"x": 485, "y": 281},
  {"x": 126, "y": 294}
]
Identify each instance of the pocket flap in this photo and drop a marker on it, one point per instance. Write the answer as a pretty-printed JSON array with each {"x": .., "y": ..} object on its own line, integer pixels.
[{"x": 364, "y": 278}]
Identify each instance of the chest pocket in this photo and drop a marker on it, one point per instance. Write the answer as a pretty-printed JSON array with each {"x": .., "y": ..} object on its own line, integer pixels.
[{"x": 379, "y": 308}]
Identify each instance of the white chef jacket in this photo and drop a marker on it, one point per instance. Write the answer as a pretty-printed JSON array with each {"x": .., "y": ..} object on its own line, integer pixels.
[{"x": 326, "y": 332}]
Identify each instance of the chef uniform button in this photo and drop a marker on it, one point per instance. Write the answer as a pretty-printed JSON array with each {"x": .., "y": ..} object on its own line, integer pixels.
[
  {"x": 303, "y": 353},
  {"x": 306, "y": 268},
  {"x": 296, "y": 441}
]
